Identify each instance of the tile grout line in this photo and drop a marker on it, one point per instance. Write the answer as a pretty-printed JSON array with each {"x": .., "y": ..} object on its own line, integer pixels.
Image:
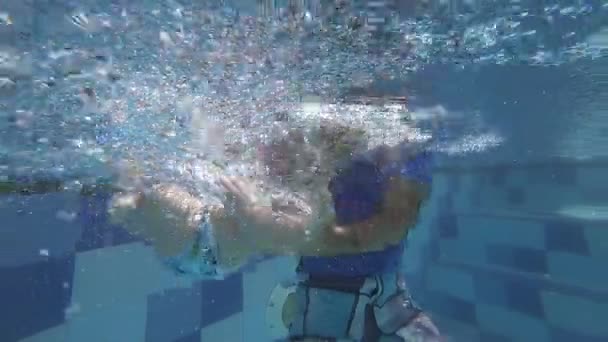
[{"x": 542, "y": 282}]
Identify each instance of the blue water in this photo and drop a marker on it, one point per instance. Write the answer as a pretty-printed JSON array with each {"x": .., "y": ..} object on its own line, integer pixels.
[{"x": 511, "y": 246}]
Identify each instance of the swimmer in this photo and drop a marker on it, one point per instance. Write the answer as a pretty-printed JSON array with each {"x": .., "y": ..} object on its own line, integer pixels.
[
  {"x": 347, "y": 218},
  {"x": 347, "y": 222}
]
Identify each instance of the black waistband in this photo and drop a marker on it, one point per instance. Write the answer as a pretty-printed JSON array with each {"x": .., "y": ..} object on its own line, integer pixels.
[{"x": 332, "y": 282}]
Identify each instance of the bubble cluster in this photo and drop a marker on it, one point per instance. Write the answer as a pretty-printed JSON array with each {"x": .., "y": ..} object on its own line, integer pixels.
[{"x": 187, "y": 91}]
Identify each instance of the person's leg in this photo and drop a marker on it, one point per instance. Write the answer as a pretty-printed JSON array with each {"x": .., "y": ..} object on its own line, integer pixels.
[
  {"x": 379, "y": 309},
  {"x": 192, "y": 238},
  {"x": 326, "y": 309},
  {"x": 396, "y": 317}
]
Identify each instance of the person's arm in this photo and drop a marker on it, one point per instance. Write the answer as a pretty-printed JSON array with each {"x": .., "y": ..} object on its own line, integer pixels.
[
  {"x": 316, "y": 233},
  {"x": 169, "y": 217},
  {"x": 164, "y": 216}
]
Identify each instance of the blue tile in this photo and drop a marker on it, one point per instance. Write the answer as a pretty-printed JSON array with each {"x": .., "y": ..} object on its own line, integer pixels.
[
  {"x": 485, "y": 336},
  {"x": 563, "y": 173},
  {"x": 498, "y": 175},
  {"x": 558, "y": 172},
  {"x": 450, "y": 307},
  {"x": 173, "y": 314},
  {"x": 562, "y": 335},
  {"x": 530, "y": 260},
  {"x": 97, "y": 231},
  {"x": 475, "y": 196},
  {"x": 448, "y": 226},
  {"x": 194, "y": 337},
  {"x": 453, "y": 183},
  {"x": 31, "y": 225},
  {"x": 34, "y": 297},
  {"x": 432, "y": 250},
  {"x": 566, "y": 236},
  {"x": 500, "y": 255},
  {"x": 490, "y": 290},
  {"x": 221, "y": 299},
  {"x": 520, "y": 258},
  {"x": 516, "y": 196},
  {"x": 525, "y": 298},
  {"x": 445, "y": 203},
  {"x": 537, "y": 175}
]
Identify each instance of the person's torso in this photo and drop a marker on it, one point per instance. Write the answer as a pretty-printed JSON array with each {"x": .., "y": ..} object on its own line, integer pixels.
[{"x": 369, "y": 263}]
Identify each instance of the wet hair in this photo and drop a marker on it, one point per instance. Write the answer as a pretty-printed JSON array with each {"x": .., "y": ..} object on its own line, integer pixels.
[{"x": 314, "y": 151}]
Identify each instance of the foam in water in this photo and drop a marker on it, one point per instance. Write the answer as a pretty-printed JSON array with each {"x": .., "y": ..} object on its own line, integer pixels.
[{"x": 175, "y": 85}]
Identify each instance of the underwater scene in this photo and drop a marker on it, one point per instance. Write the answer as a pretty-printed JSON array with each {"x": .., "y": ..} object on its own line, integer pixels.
[{"x": 303, "y": 170}]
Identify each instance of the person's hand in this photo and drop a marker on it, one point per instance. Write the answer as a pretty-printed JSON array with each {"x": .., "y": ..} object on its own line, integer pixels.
[
  {"x": 121, "y": 209},
  {"x": 158, "y": 217},
  {"x": 421, "y": 329},
  {"x": 243, "y": 213},
  {"x": 242, "y": 195}
]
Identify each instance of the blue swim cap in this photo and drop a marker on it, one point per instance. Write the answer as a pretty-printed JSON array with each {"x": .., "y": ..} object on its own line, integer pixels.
[
  {"x": 358, "y": 189},
  {"x": 357, "y": 192}
]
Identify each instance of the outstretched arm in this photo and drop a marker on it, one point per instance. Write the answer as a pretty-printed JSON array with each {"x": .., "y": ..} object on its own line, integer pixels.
[
  {"x": 170, "y": 217},
  {"x": 316, "y": 232}
]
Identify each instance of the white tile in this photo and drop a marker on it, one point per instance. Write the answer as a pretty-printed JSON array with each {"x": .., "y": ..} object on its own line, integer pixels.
[
  {"x": 461, "y": 200},
  {"x": 376, "y": 4},
  {"x": 460, "y": 251},
  {"x": 598, "y": 40},
  {"x": 482, "y": 230},
  {"x": 491, "y": 198},
  {"x": 229, "y": 329},
  {"x": 468, "y": 180},
  {"x": 576, "y": 314},
  {"x": 549, "y": 198},
  {"x": 578, "y": 270},
  {"x": 517, "y": 177},
  {"x": 108, "y": 276},
  {"x": 468, "y": 184},
  {"x": 597, "y": 240},
  {"x": 257, "y": 287},
  {"x": 55, "y": 334},
  {"x": 418, "y": 239},
  {"x": 120, "y": 322},
  {"x": 518, "y": 326},
  {"x": 451, "y": 281},
  {"x": 376, "y": 20},
  {"x": 440, "y": 183},
  {"x": 592, "y": 177},
  {"x": 455, "y": 331}
]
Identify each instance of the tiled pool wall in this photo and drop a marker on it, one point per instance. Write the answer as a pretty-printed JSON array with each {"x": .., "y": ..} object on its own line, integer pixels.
[
  {"x": 69, "y": 275},
  {"x": 517, "y": 252},
  {"x": 496, "y": 258}
]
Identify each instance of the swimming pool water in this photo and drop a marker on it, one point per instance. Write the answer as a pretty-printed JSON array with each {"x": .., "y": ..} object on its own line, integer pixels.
[{"x": 511, "y": 246}]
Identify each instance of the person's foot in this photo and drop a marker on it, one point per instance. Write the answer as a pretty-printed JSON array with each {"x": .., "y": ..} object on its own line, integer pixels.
[{"x": 421, "y": 329}]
